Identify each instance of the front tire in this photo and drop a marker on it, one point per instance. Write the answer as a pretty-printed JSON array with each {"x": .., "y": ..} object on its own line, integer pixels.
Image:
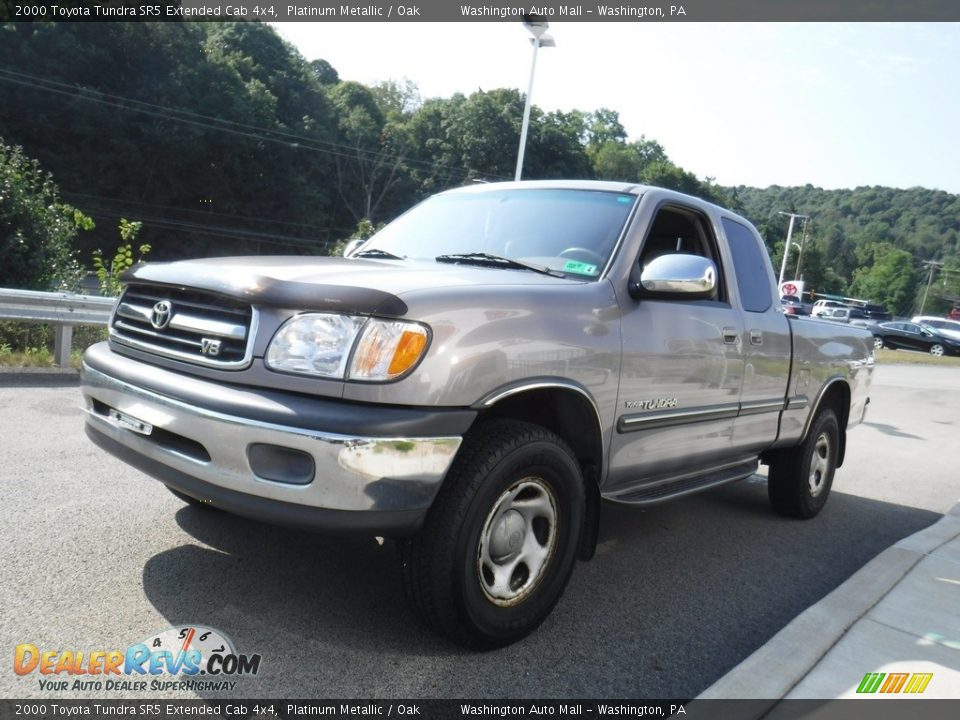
[
  {"x": 878, "y": 343},
  {"x": 800, "y": 478},
  {"x": 500, "y": 541}
]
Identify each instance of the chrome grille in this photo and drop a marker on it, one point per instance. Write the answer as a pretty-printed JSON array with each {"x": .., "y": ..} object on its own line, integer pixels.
[{"x": 189, "y": 325}]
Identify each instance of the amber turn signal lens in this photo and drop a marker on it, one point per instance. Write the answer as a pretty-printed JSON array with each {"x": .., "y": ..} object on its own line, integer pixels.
[
  {"x": 408, "y": 351},
  {"x": 387, "y": 349}
]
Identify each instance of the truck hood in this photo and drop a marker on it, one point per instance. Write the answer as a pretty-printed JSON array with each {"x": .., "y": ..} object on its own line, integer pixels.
[{"x": 354, "y": 285}]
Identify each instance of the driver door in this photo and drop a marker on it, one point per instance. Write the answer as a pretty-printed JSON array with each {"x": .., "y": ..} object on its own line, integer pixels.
[{"x": 682, "y": 368}]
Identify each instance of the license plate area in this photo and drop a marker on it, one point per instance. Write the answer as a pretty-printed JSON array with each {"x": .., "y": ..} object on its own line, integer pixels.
[{"x": 128, "y": 422}]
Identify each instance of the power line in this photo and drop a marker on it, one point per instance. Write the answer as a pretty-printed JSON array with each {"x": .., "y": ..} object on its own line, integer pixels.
[
  {"x": 285, "y": 137},
  {"x": 167, "y": 224},
  {"x": 246, "y": 218}
]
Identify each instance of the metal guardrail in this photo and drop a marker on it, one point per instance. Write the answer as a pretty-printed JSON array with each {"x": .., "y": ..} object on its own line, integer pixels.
[{"x": 63, "y": 310}]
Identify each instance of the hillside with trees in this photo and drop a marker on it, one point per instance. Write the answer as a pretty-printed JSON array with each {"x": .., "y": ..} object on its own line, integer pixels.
[
  {"x": 220, "y": 138},
  {"x": 868, "y": 242}
]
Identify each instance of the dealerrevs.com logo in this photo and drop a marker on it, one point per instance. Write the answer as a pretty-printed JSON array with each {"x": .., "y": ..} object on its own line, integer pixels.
[
  {"x": 892, "y": 683},
  {"x": 191, "y": 657}
]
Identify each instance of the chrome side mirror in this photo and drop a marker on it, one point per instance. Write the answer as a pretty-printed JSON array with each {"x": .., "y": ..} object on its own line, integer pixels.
[{"x": 690, "y": 276}]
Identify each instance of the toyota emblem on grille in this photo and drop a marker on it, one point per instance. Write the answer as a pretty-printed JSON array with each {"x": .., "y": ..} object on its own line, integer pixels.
[{"x": 161, "y": 314}]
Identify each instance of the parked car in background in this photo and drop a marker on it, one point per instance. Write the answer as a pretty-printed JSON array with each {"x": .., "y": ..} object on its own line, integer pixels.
[
  {"x": 950, "y": 328},
  {"x": 821, "y": 306},
  {"x": 840, "y": 314},
  {"x": 913, "y": 336},
  {"x": 792, "y": 305},
  {"x": 876, "y": 312}
]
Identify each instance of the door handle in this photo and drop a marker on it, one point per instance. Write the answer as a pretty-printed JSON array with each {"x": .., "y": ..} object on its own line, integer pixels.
[
  {"x": 730, "y": 335},
  {"x": 756, "y": 337}
]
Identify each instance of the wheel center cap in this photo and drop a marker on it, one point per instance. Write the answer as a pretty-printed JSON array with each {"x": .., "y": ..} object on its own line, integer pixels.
[{"x": 507, "y": 536}]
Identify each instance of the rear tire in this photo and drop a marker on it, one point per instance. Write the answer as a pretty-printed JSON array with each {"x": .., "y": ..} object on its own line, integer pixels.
[
  {"x": 878, "y": 343},
  {"x": 500, "y": 541},
  {"x": 800, "y": 478},
  {"x": 936, "y": 350}
]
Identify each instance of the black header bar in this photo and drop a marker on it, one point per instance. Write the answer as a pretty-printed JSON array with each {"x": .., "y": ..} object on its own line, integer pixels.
[
  {"x": 54, "y": 708},
  {"x": 472, "y": 11}
]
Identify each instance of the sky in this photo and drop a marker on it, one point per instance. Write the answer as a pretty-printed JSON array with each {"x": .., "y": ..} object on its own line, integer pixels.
[{"x": 835, "y": 105}]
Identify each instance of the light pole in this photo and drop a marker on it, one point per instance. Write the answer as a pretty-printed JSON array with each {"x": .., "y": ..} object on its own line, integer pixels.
[
  {"x": 786, "y": 248},
  {"x": 803, "y": 244},
  {"x": 540, "y": 39}
]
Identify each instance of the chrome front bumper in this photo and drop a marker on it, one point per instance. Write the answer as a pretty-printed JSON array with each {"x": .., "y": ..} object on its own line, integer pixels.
[{"x": 350, "y": 473}]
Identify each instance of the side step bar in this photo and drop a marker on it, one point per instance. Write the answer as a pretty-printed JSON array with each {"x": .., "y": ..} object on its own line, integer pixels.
[{"x": 685, "y": 484}]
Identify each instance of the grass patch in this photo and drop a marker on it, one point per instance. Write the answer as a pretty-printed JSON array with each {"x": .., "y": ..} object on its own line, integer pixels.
[
  {"x": 912, "y": 357},
  {"x": 33, "y": 357},
  {"x": 30, "y": 345}
]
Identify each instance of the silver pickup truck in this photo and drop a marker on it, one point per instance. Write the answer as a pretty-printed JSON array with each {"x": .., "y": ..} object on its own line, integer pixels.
[{"x": 475, "y": 378}]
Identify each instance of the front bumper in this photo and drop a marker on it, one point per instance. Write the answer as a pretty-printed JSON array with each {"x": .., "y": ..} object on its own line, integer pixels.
[{"x": 190, "y": 434}]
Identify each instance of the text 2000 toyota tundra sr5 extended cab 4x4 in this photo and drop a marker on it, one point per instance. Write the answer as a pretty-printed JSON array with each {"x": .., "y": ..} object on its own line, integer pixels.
[{"x": 475, "y": 378}]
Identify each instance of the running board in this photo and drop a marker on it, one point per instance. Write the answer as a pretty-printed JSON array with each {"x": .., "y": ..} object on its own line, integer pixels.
[{"x": 685, "y": 485}]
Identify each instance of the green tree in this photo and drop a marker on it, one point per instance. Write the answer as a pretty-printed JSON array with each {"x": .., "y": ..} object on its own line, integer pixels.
[
  {"x": 616, "y": 160},
  {"x": 887, "y": 276},
  {"x": 125, "y": 117},
  {"x": 324, "y": 72},
  {"x": 555, "y": 149},
  {"x": 109, "y": 275},
  {"x": 397, "y": 98},
  {"x": 484, "y": 131},
  {"x": 37, "y": 230},
  {"x": 374, "y": 164},
  {"x": 603, "y": 125},
  {"x": 815, "y": 269}
]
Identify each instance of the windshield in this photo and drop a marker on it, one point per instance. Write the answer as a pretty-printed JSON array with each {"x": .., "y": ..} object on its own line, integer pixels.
[{"x": 570, "y": 231}]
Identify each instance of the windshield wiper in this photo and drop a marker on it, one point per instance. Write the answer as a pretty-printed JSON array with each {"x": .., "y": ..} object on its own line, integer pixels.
[
  {"x": 377, "y": 253},
  {"x": 488, "y": 260}
]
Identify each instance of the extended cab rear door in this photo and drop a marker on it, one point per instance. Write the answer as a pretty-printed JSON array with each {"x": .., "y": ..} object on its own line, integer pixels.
[{"x": 766, "y": 340}]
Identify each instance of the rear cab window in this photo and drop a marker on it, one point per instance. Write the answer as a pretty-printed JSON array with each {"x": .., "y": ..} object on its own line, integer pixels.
[{"x": 750, "y": 265}]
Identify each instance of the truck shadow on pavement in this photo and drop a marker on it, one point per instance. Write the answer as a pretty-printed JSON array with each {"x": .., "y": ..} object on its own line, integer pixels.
[{"x": 677, "y": 595}]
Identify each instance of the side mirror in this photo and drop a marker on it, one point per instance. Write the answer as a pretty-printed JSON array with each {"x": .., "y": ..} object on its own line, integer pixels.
[{"x": 678, "y": 275}]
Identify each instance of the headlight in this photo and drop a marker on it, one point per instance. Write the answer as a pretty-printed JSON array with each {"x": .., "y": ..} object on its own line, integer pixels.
[
  {"x": 314, "y": 344},
  {"x": 321, "y": 344}
]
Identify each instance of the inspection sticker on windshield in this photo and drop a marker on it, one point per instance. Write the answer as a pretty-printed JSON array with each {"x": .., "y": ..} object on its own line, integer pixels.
[{"x": 575, "y": 266}]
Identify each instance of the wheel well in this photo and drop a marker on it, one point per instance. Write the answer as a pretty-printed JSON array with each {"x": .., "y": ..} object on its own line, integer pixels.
[
  {"x": 837, "y": 396},
  {"x": 574, "y": 418}
]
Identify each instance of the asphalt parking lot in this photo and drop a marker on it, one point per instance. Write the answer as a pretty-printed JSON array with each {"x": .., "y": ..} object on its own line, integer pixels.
[{"x": 97, "y": 556}]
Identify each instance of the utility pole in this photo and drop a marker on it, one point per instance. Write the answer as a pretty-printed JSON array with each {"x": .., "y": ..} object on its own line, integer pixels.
[
  {"x": 786, "y": 247},
  {"x": 931, "y": 265}
]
